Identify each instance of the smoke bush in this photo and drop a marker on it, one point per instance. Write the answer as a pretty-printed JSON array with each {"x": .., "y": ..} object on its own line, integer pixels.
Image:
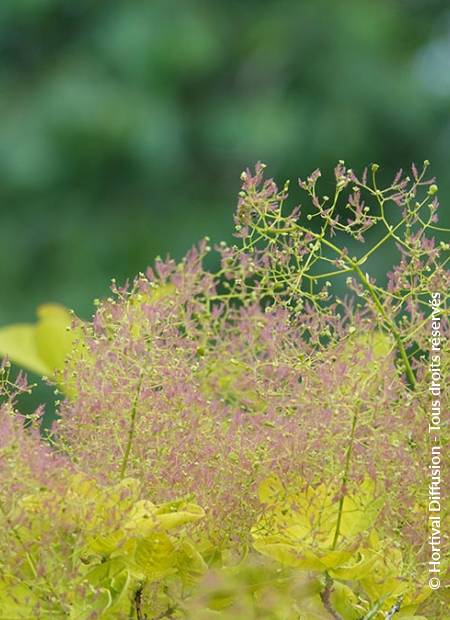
[{"x": 204, "y": 386}]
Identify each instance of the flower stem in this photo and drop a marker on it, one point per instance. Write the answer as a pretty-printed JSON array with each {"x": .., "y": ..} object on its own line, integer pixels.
[
  {"x": 392, "y": 328},
  {"x": 131, "y": 430},
  {"x": 354, "y": 265},
  {"x": 345, "y": 479}
]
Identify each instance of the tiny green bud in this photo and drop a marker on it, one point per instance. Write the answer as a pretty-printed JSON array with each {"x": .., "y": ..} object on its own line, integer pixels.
[
  {"x": 374, "y": 167},
  {"x": 432, "y": 189}
]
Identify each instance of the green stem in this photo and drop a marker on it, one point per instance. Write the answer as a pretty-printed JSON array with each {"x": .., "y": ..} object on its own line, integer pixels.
[
  {"x": 354, "y": 266},
  {"x": 131, "y": 430},
  {"x": 392, "y": 328},
  {"x": 345, "y": 479}
]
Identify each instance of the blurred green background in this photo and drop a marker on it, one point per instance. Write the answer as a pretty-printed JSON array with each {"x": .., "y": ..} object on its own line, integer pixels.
[{"x": 125, "y": 124}]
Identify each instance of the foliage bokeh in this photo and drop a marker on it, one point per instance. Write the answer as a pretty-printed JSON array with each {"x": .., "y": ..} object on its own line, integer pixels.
[{"x": 125, "y": 125}]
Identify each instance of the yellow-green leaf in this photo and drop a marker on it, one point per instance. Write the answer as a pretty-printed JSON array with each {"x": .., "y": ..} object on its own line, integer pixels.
[
  {"x": 53, "y": 339},
  {"x": 344, "y": 601},
  {"x": 298, "y": 528},
  {"x": 142, "y": 520},
  {"x": 174, "y": 515},
  {"x": 18, "y": 343},
  {"x": 41, "y": 347},
  {"x": 154, "y": 557},
  {"x": 189, "y": 562}
]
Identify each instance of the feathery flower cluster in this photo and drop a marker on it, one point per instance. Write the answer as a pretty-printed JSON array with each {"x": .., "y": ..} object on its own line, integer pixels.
[{"x": 203, "y": 385}]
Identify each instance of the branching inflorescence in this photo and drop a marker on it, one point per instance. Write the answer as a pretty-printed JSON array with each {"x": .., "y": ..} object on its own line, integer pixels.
[
  {"x": 298, "y": 263},
  {"x": 204, "y": 386}
]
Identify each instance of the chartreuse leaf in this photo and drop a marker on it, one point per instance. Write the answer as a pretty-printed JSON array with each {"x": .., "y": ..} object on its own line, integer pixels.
[
  {"x": 153, "y": 557},
  {"x": 189, "y": 563},
  {"x": 345, "y": 601},
  {"x": 298, "y": 556},
  {"x": 271, "y": 490},
  {"x": 360, "y": 510},
  {"x": 18, "y": 343},
  {"x": 298, "y": 528},
  {"x": 110, "y": 582},
  {"x": 145, "y": 516},
  {"x": 142, "y": 518},
  {"x": 359, "y": 565},
  {"x": 41, "y": 347},
  {"x": 16, "y": 599},
  {"x": 117, "y": 539},
  {"x": 386, "y": 581},
  {"x": 54, "y": 340},
  {"x": 174, "y": 514}
]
